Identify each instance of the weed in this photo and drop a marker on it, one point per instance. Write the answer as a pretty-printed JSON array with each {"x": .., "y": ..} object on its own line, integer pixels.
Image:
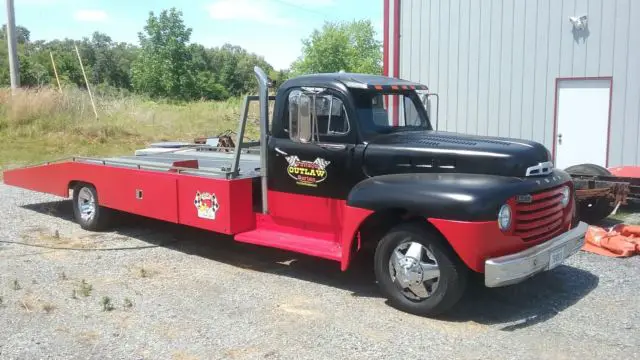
[
  {"x": 63, "y": 276},
  {"x": 74, "y": 294},
  {"x": 145, "y": 272},
  {"x": 16, "y": 285},
  {"x": 106, "y": 303},
  {"x": 85, "y": 288},
  {"x": 128, "y": 304},
  {"x": 1, "y": 301},
  {"x": 27, "y": 304},
  {"x": 48, "y": 308}
]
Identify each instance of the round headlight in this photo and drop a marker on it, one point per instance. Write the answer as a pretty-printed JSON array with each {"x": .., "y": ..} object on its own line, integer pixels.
[
  {"x": 504, "y": 217},
  {"x": 566, "y": 196}
]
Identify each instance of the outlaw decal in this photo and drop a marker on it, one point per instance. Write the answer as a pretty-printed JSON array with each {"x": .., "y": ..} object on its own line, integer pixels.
[
  {"x": 307, "y": 173},
  {"x": 207, "y": 205}
]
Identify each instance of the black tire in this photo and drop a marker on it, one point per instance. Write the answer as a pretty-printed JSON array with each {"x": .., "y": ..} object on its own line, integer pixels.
[
  {"x": 453, "y": 273},
  {"x": 592, "y": 210},
  {"x": 102, "y": 217}
]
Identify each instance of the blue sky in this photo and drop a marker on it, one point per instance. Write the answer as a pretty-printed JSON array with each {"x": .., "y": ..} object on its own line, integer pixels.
[{"x": 271, "y": 28}]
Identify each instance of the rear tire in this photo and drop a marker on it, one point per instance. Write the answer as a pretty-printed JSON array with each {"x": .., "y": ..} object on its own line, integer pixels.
[
  {"x": 87, "y": 210},
  {"x": 426, "y": 295},
  {"x": 592, "y": 210}
]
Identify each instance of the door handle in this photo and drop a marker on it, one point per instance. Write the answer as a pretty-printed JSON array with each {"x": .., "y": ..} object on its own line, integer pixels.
[
  {"x": 281, "y": 152},
  {"x": 333, "y": 146},
  {"x": 559, "y": 139}
]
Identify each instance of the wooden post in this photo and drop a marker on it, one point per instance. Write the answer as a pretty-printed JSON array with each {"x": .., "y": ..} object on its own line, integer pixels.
[
  {"x": 87, "y": 82},
  {"x": 55, "y": 71}
]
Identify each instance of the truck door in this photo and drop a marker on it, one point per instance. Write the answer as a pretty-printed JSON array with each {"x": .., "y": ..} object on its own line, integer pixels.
[{"x": 312, "y": 157}]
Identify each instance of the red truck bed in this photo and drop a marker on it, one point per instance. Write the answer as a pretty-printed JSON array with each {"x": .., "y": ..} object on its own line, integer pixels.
[{"x": 202, "y": 199}]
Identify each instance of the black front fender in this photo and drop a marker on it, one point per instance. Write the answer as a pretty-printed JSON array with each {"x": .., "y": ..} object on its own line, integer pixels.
[{"x": 460, "y": 197}]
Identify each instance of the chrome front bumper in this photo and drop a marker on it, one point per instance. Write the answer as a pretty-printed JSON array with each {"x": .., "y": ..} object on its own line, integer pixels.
[{"x": 514, "y": 268}]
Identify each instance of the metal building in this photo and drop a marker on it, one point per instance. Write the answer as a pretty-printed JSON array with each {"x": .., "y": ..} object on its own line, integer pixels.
[{"x": 565, "y": 73}]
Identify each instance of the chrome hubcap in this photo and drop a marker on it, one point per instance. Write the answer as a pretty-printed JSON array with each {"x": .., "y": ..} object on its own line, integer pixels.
[
  {"x": 414, "y": 270},
  {"x": 86, "y": 204}
]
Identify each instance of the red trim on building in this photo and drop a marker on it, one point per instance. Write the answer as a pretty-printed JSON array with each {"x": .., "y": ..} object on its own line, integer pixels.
[
  {"x": 555, "y": 112},
  {"x": 396, "y": 57},
  {"x": 385, "y": 42}
]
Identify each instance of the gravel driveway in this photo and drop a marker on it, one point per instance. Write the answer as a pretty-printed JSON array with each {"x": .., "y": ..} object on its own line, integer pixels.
[{"x": 178, "y": 293}]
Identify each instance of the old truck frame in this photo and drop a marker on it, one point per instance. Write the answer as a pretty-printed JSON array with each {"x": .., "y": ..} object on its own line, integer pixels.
[{"x": 330, "y": 177}]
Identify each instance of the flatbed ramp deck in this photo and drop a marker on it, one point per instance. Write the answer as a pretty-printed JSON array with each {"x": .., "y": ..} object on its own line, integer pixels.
[{"x": 203, "y": 163}]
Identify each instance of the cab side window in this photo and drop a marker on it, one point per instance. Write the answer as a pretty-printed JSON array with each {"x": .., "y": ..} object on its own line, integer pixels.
[{"x": 316, "y": 115}]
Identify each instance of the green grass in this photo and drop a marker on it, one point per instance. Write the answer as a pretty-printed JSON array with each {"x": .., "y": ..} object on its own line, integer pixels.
[{"x": 43, "y": 124}]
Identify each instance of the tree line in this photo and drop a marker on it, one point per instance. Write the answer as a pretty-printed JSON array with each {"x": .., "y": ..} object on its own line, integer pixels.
[{"x": 165, "y": 64}]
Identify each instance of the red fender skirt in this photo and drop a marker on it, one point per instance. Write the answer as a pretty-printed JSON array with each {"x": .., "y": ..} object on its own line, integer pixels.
[{"x": 475, "y": 242}]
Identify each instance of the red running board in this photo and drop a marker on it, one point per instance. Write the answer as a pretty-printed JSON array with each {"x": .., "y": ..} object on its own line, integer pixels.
[
  {"x": 292, "y": 242},
  {"x": 274, "y": 233}
]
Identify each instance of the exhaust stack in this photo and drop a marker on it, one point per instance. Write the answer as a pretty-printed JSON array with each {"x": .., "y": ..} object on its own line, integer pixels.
[{"x": 263, "y": 92}]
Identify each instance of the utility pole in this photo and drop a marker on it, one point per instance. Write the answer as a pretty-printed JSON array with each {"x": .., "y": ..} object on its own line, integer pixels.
[{"x": 14, "y": 66}]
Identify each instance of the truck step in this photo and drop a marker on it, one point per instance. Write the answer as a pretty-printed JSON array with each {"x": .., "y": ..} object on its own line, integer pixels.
[{"x": 292, "y": 242}]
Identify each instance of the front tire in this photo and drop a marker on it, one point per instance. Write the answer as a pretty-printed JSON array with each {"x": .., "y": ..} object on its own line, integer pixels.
[
  {"x": 417, "y": 272},
  {"x": 87, "y": 210}
]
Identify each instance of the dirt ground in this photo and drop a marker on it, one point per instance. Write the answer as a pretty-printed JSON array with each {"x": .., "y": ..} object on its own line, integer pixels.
[{"x": 150, "y": 290}]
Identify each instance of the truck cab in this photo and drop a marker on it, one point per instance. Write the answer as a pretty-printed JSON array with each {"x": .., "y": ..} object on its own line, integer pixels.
[{"x": 439, "y": 205}]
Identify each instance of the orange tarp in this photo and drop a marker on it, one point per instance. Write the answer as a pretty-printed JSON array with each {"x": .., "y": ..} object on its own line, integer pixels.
[{"x": 619, "y": 241}]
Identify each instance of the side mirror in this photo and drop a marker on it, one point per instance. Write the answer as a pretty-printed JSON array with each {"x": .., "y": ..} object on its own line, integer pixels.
[{"x": 428, "y": 104}]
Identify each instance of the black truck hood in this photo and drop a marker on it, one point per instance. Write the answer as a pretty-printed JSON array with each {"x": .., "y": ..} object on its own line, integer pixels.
[{"x": 445, "y": 152}]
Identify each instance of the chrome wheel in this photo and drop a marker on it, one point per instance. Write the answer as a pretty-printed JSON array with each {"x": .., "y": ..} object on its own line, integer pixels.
[
  {"x": 86, "y": 204},
  {"x": 414, "y": 270}
]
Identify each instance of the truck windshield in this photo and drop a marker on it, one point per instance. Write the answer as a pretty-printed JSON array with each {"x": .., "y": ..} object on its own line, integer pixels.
[{"x": 383, "y": 113}]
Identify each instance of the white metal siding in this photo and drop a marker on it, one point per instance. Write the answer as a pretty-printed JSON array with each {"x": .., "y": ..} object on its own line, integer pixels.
[{"x": 495, "y": 63}]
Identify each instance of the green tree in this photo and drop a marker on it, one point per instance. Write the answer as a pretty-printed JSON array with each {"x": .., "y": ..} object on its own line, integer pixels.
[
  {"x": 66, "y": 60},
  {"x": 164, "y": 67},
  {"x": 207, "y": 84},
  {"x": 233, "y": 67},
  {"x": 110, "y": 62},
  {"x": 23, "y": 35},
  {"x": 279, "y": 76},
  {"x": 348, "y": 46}
]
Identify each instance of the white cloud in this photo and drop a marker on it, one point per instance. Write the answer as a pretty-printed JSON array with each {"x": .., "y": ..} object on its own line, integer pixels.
[
  {"x": 252, "y": 10},
  {"x": 311, "y": 3},
  {"x": 90, "y": 15}
]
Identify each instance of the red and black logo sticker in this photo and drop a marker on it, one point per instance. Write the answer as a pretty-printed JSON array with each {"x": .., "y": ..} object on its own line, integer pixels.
[
  {"x": 206, "y": 204},
  {"x": 307, "y": 173}
]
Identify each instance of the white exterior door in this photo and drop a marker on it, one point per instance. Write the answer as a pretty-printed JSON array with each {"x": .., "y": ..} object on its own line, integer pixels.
[{"x": 582, "y": 122}]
